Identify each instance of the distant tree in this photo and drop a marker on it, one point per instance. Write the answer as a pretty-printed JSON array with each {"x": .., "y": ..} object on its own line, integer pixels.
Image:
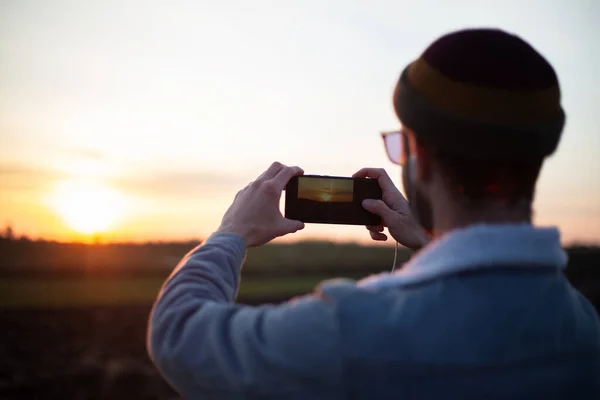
[{"x": 9, "y": 233}]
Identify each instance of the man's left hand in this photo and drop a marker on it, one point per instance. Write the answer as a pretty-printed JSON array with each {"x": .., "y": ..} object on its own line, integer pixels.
[{"x": 255, "y": 215}]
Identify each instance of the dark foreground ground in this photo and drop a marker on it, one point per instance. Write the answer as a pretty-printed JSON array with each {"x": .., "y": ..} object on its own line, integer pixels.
[{"x": 87, "y": 353}]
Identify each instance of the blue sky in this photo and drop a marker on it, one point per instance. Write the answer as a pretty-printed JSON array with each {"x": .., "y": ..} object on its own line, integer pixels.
[{"x": 175, "y": 106}]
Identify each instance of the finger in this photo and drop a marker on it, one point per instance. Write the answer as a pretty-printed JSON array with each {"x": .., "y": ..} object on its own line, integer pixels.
[
  {"x": 271, "y": 172},
  {"x": 284, "y": 175},
  {"x": 375, "y": 228},
  {"x": 378, "y": 207},
  {"x": 363, "y": 173},
  {"x": 290, "y": 226},
  {"x": 380, "y": 174},
  {"x": 380, "y": 237}
]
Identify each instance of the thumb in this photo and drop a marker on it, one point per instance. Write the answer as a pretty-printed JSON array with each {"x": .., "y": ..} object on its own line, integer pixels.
[
  {"x": 290, "y": 226},
  {"x": 378, "y": 207}
]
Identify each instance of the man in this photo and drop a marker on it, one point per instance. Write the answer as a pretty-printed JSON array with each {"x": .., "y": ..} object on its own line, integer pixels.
[{"x": 483, "y": 311}]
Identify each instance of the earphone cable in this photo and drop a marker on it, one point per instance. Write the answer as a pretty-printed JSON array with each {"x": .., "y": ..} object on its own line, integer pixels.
[{"x": 395, "y": 256}]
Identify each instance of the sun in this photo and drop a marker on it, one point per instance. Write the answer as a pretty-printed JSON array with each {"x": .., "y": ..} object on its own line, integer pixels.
[
  {"x": 325, "y": 196},
  {"x": 87, "y": 207}
]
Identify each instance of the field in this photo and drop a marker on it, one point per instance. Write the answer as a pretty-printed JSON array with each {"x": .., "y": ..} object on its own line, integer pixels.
[
  {"x": 74, "y": 317},
  {"x": 85, "y": 353},
  {"x": 77, "y": 293}
]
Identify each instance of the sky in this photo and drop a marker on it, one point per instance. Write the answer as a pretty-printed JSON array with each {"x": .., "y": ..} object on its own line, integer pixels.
[{"x": 163, "y": 110}]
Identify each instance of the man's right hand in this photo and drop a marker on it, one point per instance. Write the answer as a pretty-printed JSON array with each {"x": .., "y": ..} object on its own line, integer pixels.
[
  {"x": 254, "y": 214},
  {"x": 394, "y": 212}
]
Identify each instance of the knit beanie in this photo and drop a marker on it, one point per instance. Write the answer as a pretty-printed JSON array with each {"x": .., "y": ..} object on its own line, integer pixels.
[{"x": 482, "y": 94}]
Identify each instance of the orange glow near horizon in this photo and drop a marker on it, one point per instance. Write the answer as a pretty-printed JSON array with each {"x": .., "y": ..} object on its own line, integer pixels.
[{"x": 87, "y": 207}]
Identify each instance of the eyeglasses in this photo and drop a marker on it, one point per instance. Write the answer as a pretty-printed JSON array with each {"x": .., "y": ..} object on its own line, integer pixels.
[{"x": 396, "y": 145}]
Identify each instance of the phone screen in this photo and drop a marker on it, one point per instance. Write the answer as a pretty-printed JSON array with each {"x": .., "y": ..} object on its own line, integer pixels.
[{"x": 331, "y": 200}]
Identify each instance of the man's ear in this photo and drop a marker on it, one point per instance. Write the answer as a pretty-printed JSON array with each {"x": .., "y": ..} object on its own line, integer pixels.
[{"x": 424, "y": 162}]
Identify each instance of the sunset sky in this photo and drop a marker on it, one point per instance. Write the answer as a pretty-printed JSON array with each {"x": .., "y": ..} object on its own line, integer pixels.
[{"x": 143, "y": 119}]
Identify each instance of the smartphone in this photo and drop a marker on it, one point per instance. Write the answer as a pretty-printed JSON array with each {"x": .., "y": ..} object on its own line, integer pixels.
[{"x": 331, "y": 200}]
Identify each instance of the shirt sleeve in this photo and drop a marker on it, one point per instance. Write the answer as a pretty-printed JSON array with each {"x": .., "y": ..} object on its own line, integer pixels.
[{"x": 205, "y": 345}]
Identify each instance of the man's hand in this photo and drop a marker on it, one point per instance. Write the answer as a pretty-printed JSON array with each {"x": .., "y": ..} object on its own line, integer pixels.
[
  {"x": 255, "y": 215},
  {"x": 394, "y": 212}
]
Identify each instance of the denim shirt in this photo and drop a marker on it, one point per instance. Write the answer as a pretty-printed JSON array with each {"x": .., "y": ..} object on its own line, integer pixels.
[{"x": 482, "y": 312}]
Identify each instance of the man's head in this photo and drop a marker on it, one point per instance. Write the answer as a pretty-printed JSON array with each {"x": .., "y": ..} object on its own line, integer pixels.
[{"x": 480, "y": 111}]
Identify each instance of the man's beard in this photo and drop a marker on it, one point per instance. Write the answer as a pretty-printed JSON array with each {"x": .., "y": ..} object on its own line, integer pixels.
[{"x": 420, "y": 206}]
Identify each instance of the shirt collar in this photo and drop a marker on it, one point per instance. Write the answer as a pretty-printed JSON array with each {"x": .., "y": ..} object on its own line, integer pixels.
[{"x": 479, "y": 247}]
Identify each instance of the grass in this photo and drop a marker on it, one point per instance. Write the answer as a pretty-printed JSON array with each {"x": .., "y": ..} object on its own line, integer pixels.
[{"x": 89, "y": 292}]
